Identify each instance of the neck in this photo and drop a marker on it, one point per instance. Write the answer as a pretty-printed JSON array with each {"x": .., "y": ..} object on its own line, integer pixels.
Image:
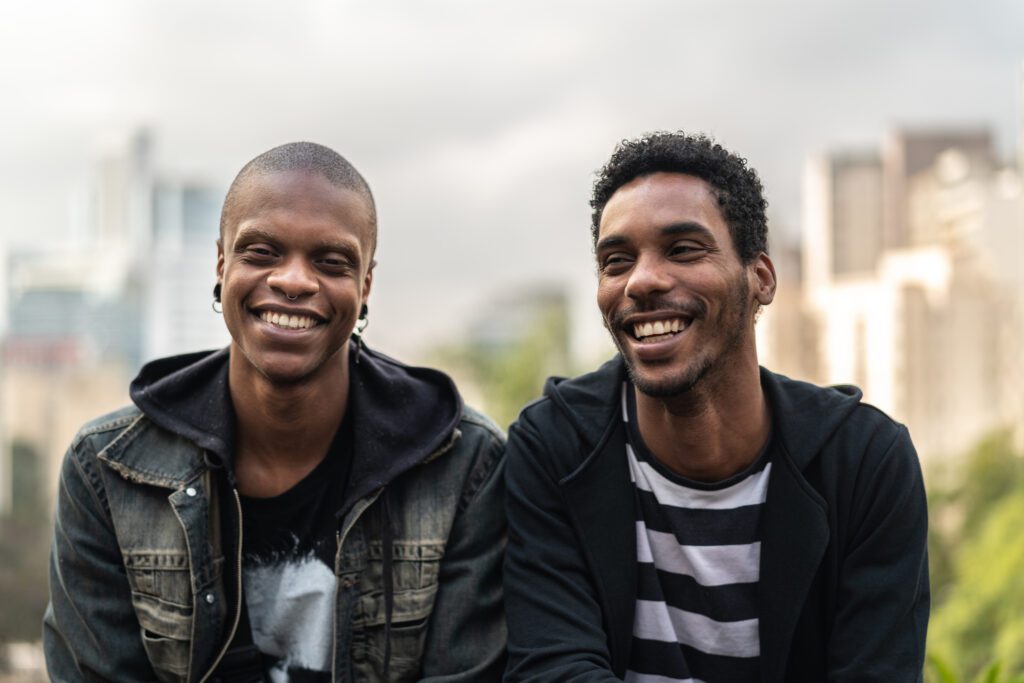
[
  {"x": 284, "y": 430},
  {"x": 714, "y": 430}
]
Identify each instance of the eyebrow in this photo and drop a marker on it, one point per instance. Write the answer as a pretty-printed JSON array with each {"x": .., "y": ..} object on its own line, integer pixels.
[
  {"x": 687, "y": 228},
  {"x": 259, "y": 234},
  {"x": 250, "y": 234},
  {"x": 673, "y": 230}
]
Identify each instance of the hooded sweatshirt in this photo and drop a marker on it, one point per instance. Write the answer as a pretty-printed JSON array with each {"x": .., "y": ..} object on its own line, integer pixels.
[{"x": 843, "y": 591}]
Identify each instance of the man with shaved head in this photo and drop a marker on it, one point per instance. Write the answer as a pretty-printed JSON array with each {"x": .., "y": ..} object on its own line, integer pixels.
[
  {"x": 683, "y": 515},
  {"x": 295, "y": 507}
]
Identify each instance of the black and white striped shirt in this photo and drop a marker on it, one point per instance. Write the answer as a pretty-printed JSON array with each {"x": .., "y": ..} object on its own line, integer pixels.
[{"x": 698, "y": 559}]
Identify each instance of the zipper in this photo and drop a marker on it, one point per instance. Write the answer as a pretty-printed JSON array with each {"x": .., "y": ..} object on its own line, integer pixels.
[
  {"x": 238, "y": 587},
  {"x": 340, "y": 536}
]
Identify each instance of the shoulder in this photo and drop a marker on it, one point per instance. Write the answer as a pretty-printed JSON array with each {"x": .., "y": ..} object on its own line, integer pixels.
[
  {"x": 475, "y": 423},
  {"x": 555, "y": 436},
  {"x": 576, "y": 410},
  {"x": 849, "y": 450},
  {"x": 480, "y": 441},
  {"x": 870, "y": 437},
  {"x": 103, "y": 430},
  {"x": 879, "y": 445},
  {"x": 478, "y": 437},
  {"x": 833, "y": 422}
]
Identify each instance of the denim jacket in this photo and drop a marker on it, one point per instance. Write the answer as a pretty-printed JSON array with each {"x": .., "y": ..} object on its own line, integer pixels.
[{"x": 143, "y": 586}]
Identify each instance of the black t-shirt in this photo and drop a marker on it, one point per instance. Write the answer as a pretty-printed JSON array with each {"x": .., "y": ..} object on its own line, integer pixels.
[{"x": 289, "y": 546}]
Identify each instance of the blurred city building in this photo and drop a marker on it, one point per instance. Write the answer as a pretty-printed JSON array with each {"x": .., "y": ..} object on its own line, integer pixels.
[
  {"x": 130, "y": 282},
  {"x": 906, "y": 283},
  {"x": 910, "y": 285}
]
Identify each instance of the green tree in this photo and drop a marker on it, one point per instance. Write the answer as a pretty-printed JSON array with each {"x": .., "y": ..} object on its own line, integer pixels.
[
  {"x": 977, "y": 563},
  {"x": 983, "y": 617},
  {"x": 509, "y": 373}
]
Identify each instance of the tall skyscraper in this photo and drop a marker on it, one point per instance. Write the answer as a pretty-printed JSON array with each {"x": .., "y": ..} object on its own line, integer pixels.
[
  {"x": 843, "y": 209},
  {"x": 912, "y": 281}
]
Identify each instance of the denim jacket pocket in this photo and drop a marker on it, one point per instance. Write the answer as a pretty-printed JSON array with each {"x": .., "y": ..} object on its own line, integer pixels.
[
  {"x": 162, "y": 597},
  {"x": 415, "y": 570}
]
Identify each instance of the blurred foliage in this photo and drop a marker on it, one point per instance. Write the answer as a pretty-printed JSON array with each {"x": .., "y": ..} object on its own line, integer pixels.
[
  {"x": 977, "y": 566},
  {"x": 510, "y": 372},
  {"x": 24, "y": 541}
]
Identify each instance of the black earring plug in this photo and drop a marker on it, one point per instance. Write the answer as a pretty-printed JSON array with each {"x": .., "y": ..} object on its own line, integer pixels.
[{"x": 216, "y": 298}]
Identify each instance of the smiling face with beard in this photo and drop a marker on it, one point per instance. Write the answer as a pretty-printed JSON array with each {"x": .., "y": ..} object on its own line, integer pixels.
[{"x": 672, "y": 290}]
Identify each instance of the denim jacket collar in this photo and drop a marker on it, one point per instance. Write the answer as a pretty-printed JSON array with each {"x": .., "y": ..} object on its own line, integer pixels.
[
  {"x": 140, "y": 454},
  {"x": 188, "y": 396}
]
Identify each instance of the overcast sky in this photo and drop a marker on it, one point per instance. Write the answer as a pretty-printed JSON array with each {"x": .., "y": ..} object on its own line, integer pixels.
[{"x": 479, "y": 124}]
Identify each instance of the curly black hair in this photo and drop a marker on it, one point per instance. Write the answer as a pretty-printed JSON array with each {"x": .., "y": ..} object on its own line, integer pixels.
[{"x": 736, "y": 186}]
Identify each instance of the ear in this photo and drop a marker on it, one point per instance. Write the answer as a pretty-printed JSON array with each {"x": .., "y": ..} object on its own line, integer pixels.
[
  {"x": 220, "y": 260},
  {"x": 368, "y": 281},
  {"x": 762, "y": 279}
]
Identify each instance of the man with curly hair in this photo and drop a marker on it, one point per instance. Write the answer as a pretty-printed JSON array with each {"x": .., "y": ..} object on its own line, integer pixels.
[{"x": 682, "y": 514}]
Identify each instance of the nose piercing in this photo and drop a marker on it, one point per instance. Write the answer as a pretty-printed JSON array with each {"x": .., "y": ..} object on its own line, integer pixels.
[{"x": 290, "y": 297}]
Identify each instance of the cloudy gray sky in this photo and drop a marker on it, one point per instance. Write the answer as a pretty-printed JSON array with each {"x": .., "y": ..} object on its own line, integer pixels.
[{"x": 479, "y": 125}]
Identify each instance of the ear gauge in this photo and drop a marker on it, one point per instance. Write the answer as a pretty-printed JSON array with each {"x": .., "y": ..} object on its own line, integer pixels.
[
  {"x": 215, "y": 304},
  {"x": 361, "y": 324},
  {"x": 363, "y": 320}
]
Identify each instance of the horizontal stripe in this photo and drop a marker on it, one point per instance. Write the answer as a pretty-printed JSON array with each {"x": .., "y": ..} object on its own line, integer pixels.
[
  {"x": 625, "y": 409},
  {"x": 667, "y": 659},
  {"x": 734, "y": 602},
  {"x": 710, "y": 565},
  {"x": 634, "y": 677},
  {"x": 658, "y": 621},
  {"x": 691, "y": 526},
  {"x": 751, "y": 490}
]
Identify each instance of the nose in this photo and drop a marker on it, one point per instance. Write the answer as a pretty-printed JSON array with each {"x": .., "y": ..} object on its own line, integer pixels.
[
  {"x": 649, "y": 277},
  {"x": 294, "y": 277}
]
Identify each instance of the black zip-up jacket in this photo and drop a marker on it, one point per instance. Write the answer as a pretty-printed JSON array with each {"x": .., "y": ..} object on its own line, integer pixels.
[{"x": 843, "y": 589}]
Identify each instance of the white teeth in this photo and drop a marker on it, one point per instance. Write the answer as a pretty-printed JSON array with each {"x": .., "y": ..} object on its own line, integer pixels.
[
  {"x": 659, "y": 327},
  {"x": 291, "y": 322}
]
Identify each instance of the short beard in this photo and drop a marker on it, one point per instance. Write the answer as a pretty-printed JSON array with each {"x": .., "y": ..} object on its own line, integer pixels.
[{"x": 664, "y": 387}]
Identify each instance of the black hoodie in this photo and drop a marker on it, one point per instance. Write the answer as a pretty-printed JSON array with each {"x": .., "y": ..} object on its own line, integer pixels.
[
  {"x": 188, "y": 395},
  {"x": 843, "y": 590}
]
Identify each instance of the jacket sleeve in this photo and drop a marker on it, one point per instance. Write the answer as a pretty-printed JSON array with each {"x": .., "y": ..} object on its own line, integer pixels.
[
  {"x": 90, "y": 631},
  {"x": 882, "y": 597},
  {"x": 467, "y": 636},
  {"x": 554, "y": 617}
]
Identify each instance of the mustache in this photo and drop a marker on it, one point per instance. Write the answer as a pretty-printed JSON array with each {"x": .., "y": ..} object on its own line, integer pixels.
[{"x": 689, "y": 309}]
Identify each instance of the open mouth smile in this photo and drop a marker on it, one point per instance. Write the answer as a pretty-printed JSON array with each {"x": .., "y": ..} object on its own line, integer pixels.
[
  {"x": 653, "y": 331},
  {"x": 285, "y": 321}
]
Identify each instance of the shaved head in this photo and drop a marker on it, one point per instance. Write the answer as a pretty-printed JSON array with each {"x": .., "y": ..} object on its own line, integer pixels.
[{"x": 303, "y": 157}]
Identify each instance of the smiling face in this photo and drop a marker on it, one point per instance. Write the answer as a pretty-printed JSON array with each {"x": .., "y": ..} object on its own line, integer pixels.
[
  {"x": 295, "y": 265},
  {"x": 673, "y": 293}
]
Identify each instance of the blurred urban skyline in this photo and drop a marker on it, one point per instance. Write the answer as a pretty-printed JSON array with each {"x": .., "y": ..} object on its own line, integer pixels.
[
  {"x": 478, "y": 127},
  {"x": 889, "y": 137}
]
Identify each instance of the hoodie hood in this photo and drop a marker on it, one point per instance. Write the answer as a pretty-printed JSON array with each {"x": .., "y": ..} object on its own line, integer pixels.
[
  {"x": 401, "y": 415},
  {"x": 812, "y": 413}
]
